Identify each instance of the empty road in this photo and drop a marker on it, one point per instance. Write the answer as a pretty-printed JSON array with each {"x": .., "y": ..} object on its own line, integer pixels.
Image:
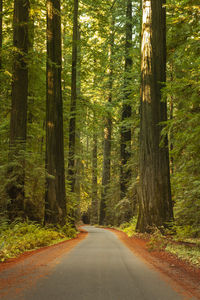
[{"x": 100, "y": 267}]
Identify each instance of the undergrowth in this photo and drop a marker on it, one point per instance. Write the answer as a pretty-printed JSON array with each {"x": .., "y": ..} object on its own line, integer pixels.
[
  {"x": 129, "y": 227},
  {"x": 190, "y": 254},
  {"x": 19, "y": 237},
  {"x": 177, "y": 241},
  {"x": 176, "y": 245}
]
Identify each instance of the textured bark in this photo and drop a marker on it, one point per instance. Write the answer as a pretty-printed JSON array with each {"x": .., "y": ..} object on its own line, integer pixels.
[
  {"x": 94, "y": 210},
  {"x": 1, "y": 18},
  {"x": 107, "y": 139},
  {"x": 125, "y": 173},
  {"x": 72, "y": 123},
  {"x": 55, "y": 200},
  {"x": 31, "y": 33},
  {"x": 18, "y": 118},
  {"x": 78, "y": 163},
  {"x": 155, "y": 205},
  {"x": 106, "y": 167},
  {"x": 171, "y": 131}
]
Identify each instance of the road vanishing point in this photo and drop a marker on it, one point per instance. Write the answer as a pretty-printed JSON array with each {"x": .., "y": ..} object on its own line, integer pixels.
[{"x": 100, "y": 267}]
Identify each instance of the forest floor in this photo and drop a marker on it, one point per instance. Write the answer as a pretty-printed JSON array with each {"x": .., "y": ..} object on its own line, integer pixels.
[{"x": 177, "y": 272}]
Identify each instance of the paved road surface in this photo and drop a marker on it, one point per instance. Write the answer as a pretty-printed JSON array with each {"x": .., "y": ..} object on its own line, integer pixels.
[{"x": 101, "y": 268}]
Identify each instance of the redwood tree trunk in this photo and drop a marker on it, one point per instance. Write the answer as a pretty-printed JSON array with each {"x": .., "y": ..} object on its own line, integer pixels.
[
  {"x": 106, "y": 167},
  {"x": 155, "y": 205},
  {"x": 72, "y": 124},
  {"x": 18, "y": 118},
  {"x": 107, "y": 139},
  {"x": 94, "y": 208},
  {"x": 55, "y": 202},
  {"x": 125, "y": 172},
  {"x": 1, "y": 25}
]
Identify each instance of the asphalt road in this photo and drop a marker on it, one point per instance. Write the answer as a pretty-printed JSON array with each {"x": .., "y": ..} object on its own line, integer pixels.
[{"x": 101, "y": 267}]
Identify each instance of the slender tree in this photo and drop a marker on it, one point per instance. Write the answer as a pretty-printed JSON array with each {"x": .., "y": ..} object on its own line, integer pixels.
[
  {"x": 72, "y": 123},
  {"x": 155, "y": 205},
  {"x": 94, "y": 208},
  {"x": 31, "y": 81},
  {"x": 1, "y": 31},
  {"x": 125, "y": 172},
  {"x": 78, "y": 164},
  {"x": 107, "y": 136},
  {"x": 55, "y": 199},
  {"x": 18, "y": 117}
]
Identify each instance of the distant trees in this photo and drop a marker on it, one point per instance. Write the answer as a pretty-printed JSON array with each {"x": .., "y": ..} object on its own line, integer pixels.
[
  {"x": 107, "y": 136},
  {"x": 182, "y": 89},
  {"x": 155, "y": 204},
  {"x": 94, "y": 202},
  {"x": 55, "y": 198}
]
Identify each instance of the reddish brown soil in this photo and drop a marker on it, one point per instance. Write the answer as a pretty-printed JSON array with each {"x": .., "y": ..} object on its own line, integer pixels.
[
  {"x": 177, "y": 272},
  {"x": 19, "y": 273}
]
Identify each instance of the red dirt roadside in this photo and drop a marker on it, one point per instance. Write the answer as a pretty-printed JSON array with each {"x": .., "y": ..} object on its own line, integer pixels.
[
  {"x": 20, "y": 273},
  {"x": 177, "y": 272},
  {"x": 17, "y": 275}
]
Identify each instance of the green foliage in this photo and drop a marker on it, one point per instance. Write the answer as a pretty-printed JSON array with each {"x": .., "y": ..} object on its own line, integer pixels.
[
  {"x": 18, "y": 237},
  {"x": 129, "y": 227},
  {"x": 67, "y": 229},
  {"x": 182, "y": 91},
  {"x": 185, "y": 231},
  {"x": 188, "y": 253},
  {"x": 176, "y": 244},
  {"x": 157, "y": 241}
]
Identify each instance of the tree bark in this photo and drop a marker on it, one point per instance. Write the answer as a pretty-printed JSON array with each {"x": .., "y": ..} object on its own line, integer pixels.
[
  {"x": 1, "y": 31},
  {"x": 55, "y": 198},
  {"x": 155, "y": 205},
  {"x": 107, "y": 139},
  {"x": 72, "y": 123},
  {"x": 94, "y": 210},
  {"x": 77, "y": 186},
  {"x": 125, "y": 172},
  {"x": 31, "y": 29},
  {"x": 18, "y": 117}
]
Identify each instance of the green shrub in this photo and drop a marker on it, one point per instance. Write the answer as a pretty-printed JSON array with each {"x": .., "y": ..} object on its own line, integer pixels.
[
  {"x": 188, "y": 253},
  {"x": 19, "y": 237},
  {"x": 129, "y": 227}
]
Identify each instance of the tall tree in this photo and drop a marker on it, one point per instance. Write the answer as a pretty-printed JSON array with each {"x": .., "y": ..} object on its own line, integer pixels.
[
  {"x": 107, "y": 134},
  {"x": 125, "y": 173},
  {"x": 1, "y": 27},
  {"x": 155, "y": 205},
  {"x": 55, "y": 199},
  {"x": 77, "y": 184},
  {"x": 18, "y": 117},
  {"x": 72, "y": 123},
  {"x": 94, "y": 207}
]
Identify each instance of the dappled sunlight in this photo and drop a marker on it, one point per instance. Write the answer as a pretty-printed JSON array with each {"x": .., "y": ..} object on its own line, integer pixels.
[
  {"x": 50, "y": 10},
  {"x": 146, "y": 49},
  {"x": 50, "y": 124}
]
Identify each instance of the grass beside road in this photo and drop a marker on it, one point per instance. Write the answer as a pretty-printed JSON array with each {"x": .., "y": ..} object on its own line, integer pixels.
[
  {"x": 19, "y": 237},
  {"x": 184, "y": 247}
]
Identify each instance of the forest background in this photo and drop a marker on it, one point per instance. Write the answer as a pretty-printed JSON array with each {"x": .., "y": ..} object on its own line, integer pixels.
[{"x": 107, "y": 95}]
